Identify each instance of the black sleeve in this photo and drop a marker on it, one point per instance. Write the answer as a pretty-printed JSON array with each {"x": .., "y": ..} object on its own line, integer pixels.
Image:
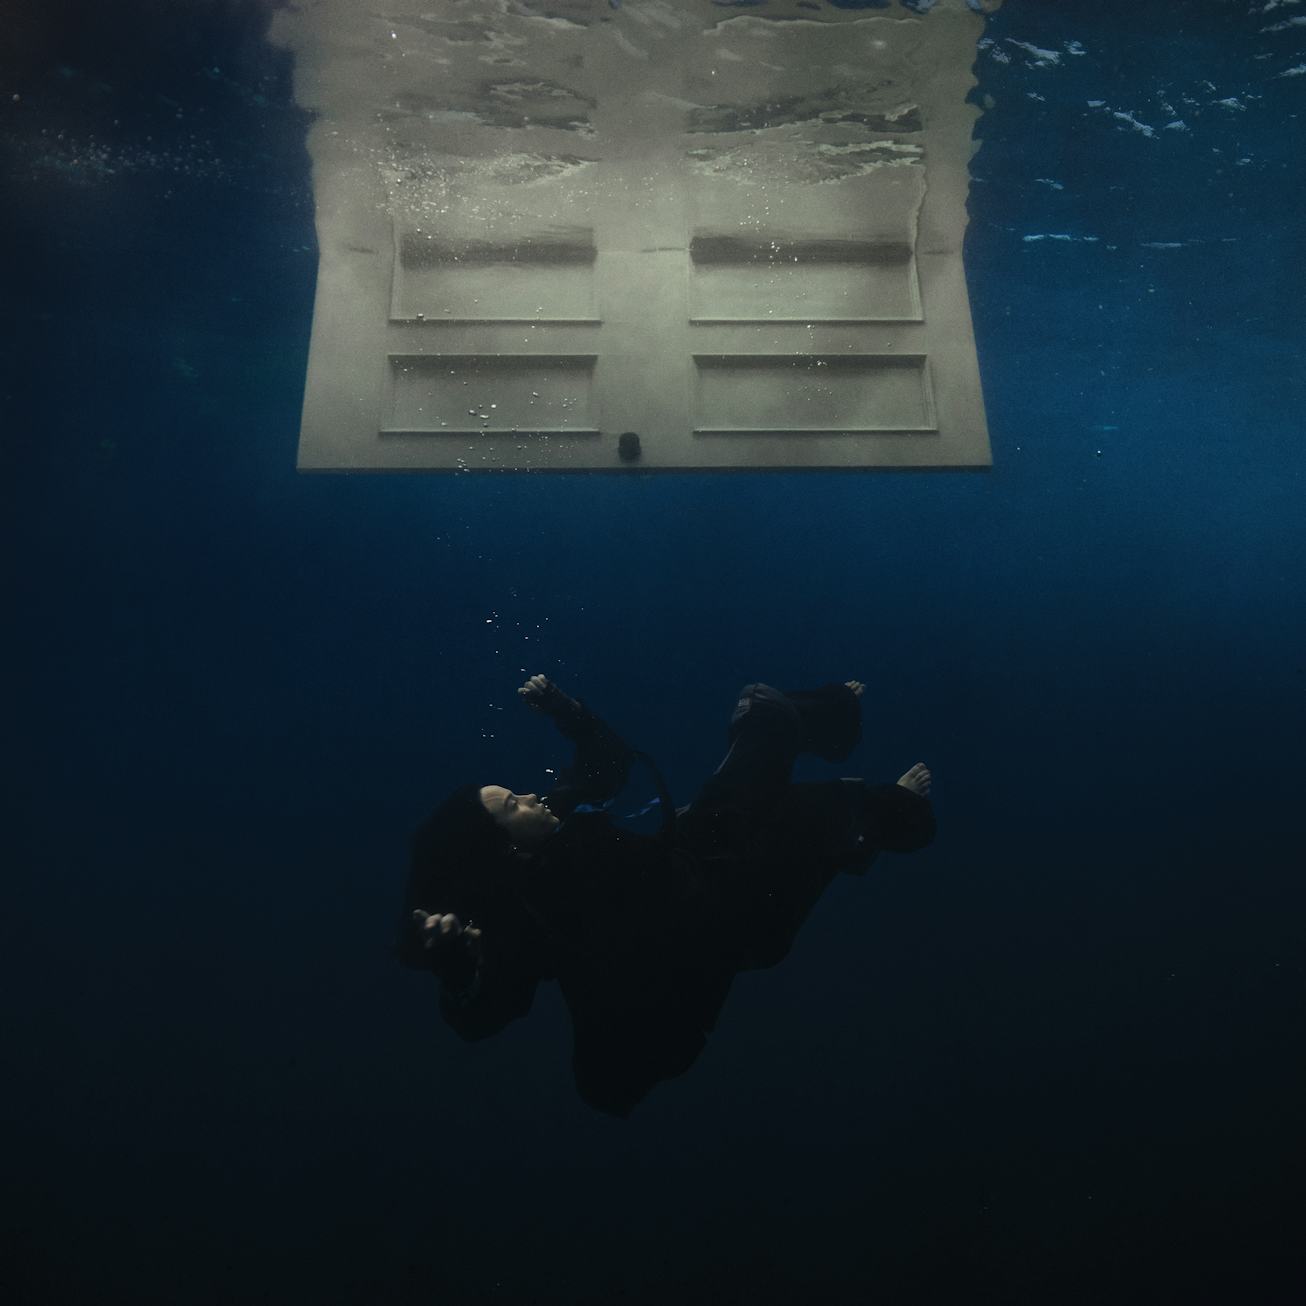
[
  {"x": 477, "y": 1002},
  {"x": 478, "y": 998},
  {"x": 900, "y": 821},
  {"x": 599, "y": 768}
]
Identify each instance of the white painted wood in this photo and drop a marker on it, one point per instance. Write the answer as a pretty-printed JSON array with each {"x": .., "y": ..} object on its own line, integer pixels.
[{"x": 737, "y": 233}]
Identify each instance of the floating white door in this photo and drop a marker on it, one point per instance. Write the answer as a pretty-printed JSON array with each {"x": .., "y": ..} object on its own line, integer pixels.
[{"x": 732, "y": 236}]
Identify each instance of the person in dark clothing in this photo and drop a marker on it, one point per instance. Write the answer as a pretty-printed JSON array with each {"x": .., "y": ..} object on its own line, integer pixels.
[{"x": 644, "y": 933}]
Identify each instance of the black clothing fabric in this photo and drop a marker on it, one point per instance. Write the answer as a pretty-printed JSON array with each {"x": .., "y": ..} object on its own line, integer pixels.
[{"x": 645, "y": 935}]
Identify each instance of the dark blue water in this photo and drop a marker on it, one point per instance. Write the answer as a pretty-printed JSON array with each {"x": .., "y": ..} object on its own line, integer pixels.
[{"x": 1054, "y": 1058}]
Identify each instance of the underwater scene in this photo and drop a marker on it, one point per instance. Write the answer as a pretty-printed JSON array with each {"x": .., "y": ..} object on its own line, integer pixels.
[{"x": 657, "y": 652}]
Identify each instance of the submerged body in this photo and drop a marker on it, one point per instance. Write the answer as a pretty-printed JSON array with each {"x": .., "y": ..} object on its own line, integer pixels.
[{"x": 644, "y": 933}]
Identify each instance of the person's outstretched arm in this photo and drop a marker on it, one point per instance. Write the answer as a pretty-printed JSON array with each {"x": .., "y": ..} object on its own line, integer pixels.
[
  {"x": 902, "y": 816},
  {"x": 481, "y": 991},
  {"x": 602, "y": 759}
]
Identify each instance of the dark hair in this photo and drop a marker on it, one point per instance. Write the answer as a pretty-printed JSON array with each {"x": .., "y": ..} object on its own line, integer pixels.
[{"x": 451, "y": 851}]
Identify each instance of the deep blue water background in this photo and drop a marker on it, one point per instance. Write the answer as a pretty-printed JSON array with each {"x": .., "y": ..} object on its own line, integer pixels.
[{"x": 1056, "y": 1057}]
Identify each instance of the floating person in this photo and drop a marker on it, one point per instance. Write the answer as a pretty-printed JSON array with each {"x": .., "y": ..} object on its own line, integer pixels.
[{"x": 644, "y": 932}]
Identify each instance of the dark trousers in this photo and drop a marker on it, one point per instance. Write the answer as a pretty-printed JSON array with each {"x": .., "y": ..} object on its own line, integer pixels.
[
  {"x": 760, "y": 851},
  {"x": 734, "y": 806}
]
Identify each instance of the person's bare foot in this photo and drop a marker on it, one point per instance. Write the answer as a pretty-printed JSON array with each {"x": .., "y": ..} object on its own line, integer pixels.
[
  {"x": 918, "y": 780},
  {"x": 856, "y": 686}
]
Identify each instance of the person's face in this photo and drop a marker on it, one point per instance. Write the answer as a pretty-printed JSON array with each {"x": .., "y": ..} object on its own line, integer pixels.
[{"x": 525, "y": 819}]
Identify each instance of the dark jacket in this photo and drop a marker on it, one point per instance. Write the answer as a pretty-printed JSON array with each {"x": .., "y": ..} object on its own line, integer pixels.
[{"x": 645, "y": 934}]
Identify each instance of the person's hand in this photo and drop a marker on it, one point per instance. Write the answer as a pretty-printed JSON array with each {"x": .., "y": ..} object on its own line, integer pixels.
[
  {"x": 442, "y": 933},
  {"x": 918, "y": 780},
  {"x": 540, "y": 693}
]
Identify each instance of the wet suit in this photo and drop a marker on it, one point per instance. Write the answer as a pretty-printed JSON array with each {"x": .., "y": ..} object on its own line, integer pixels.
[{"x": 645, "y": 933}]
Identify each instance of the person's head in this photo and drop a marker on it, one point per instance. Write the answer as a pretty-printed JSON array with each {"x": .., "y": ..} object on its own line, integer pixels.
[
  {"x": 460, "y": 852},
  {"x": 522, "y": 817}
]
